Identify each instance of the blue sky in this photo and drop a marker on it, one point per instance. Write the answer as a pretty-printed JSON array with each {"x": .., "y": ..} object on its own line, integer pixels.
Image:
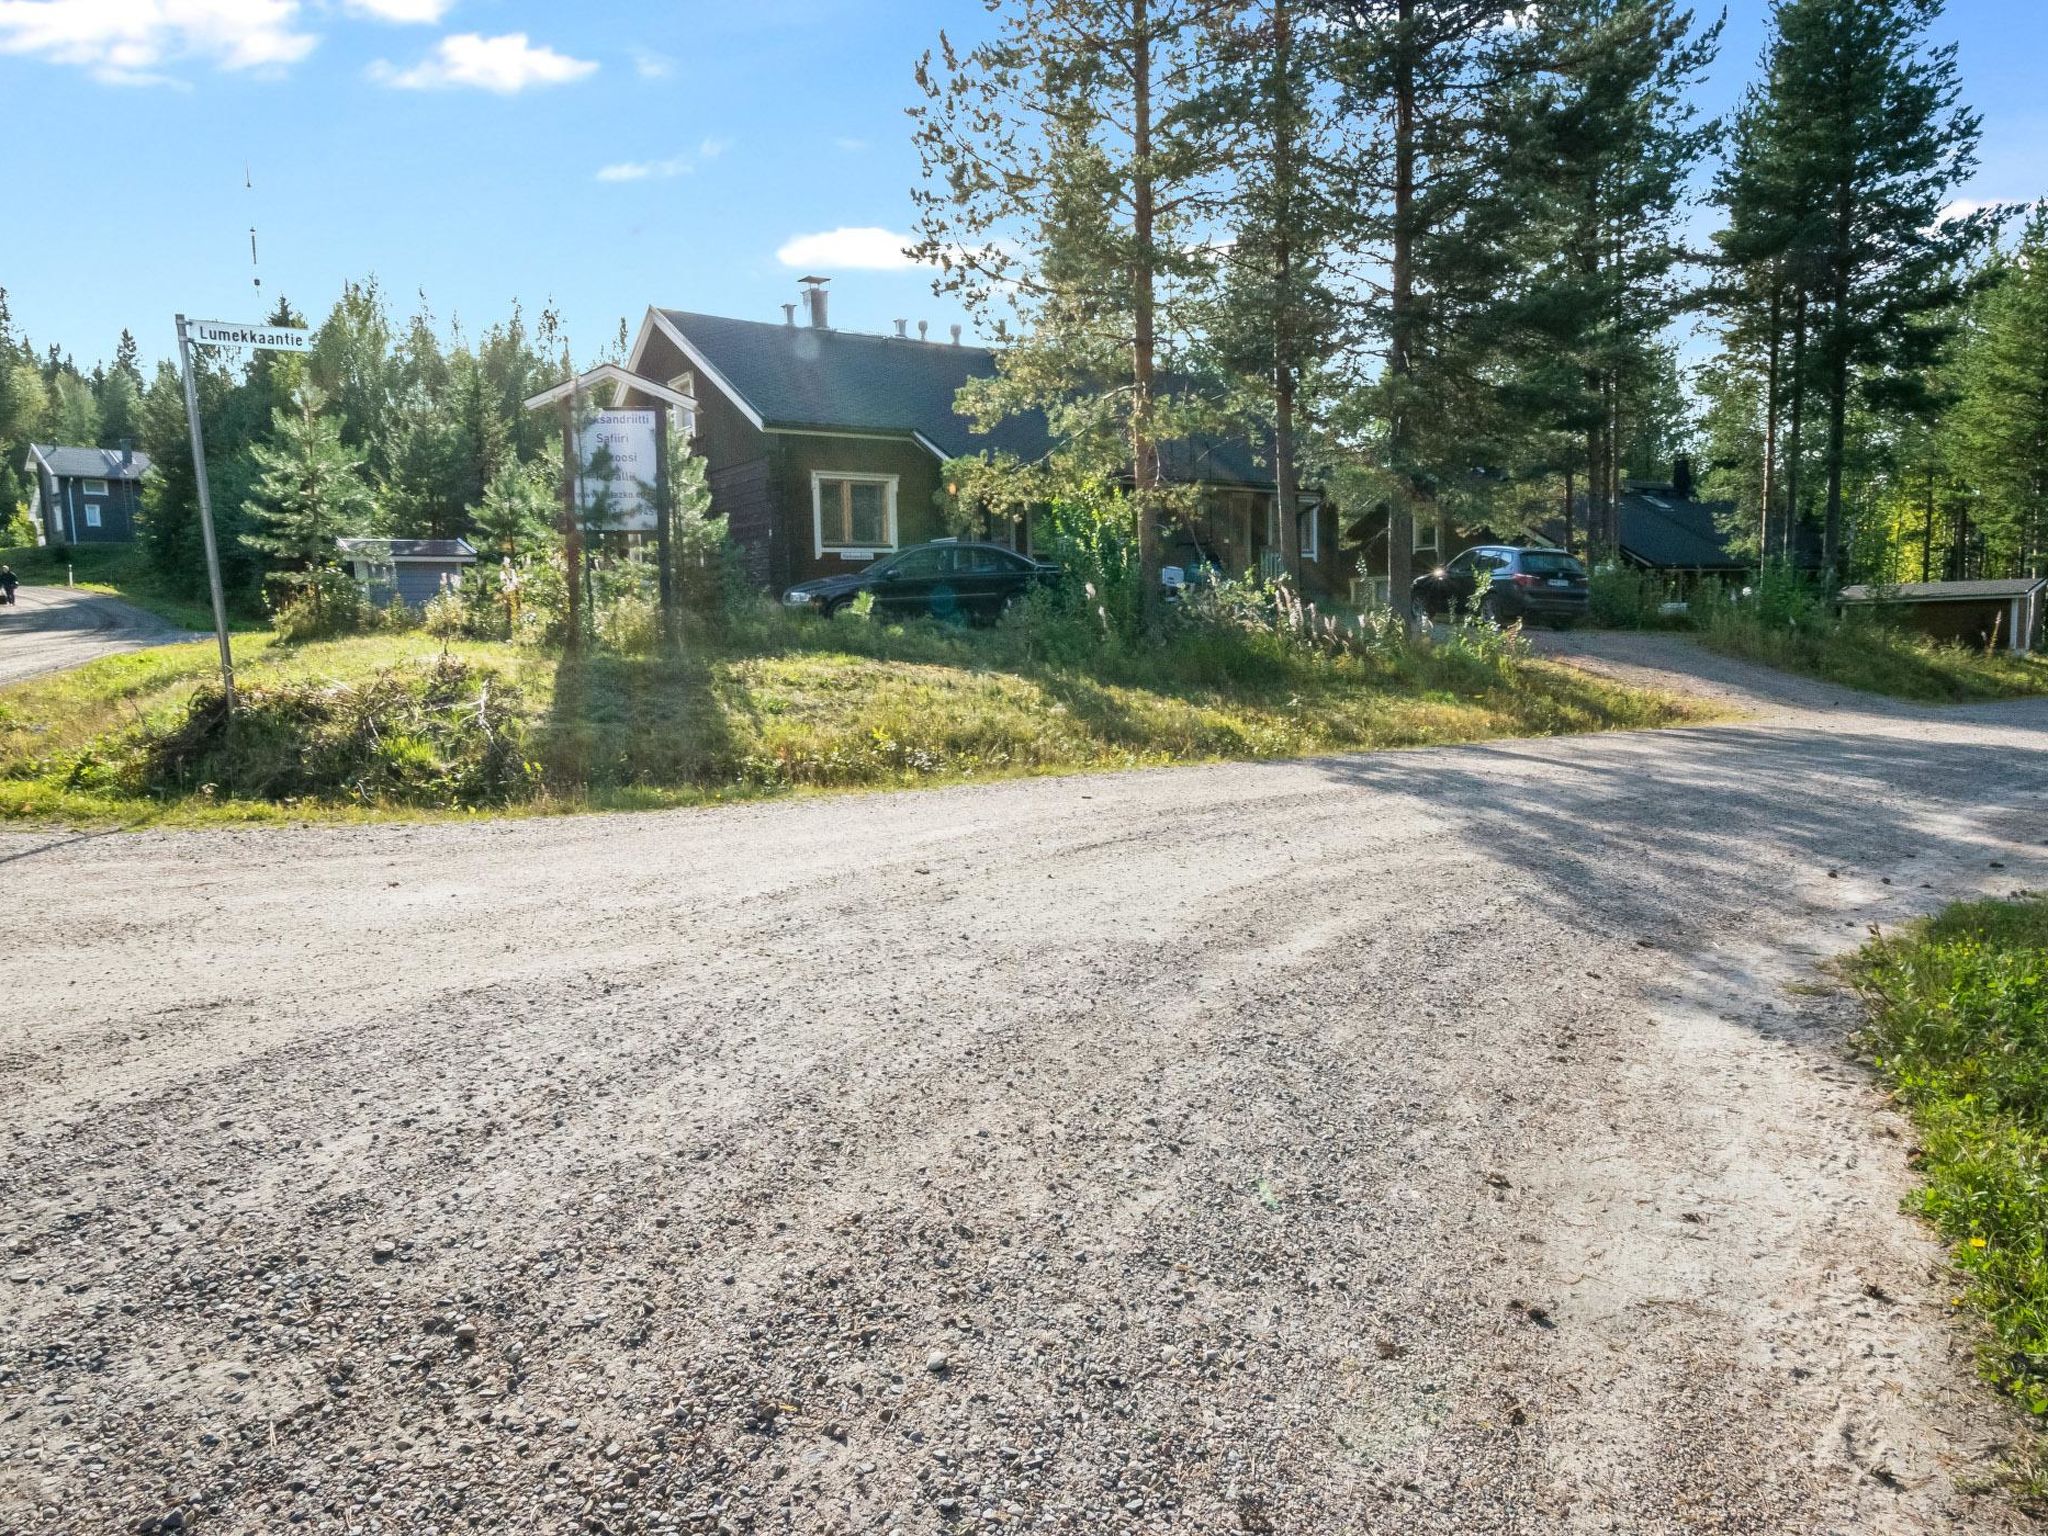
[{"x": 601, "y": 155}]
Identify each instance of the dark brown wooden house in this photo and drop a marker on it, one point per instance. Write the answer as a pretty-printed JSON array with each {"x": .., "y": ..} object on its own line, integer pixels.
[{"x": 824, "y": 448}]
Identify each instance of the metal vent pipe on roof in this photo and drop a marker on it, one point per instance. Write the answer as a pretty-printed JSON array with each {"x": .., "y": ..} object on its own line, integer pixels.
[
  {"x": 956, "y": 335},
  {"x": 922, "y": 327},
  {"x": 816, "y": 298},
  {"x": 902, "y": 330},
  {"x": 789, "y": 315}
]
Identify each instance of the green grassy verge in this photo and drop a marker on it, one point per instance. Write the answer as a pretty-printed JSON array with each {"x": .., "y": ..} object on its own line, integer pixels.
[
  {"x": 123, "y": 571},
  {"x": 1877, "y": 658},
  {"x": 382, "y": 723},
  {"x": 1959, "y": 1026}
]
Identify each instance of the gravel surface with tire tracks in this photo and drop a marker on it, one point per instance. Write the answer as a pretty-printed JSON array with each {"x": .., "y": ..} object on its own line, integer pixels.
[
  {"x": 46, "y": 629},
  {"x": 1440, "y": 1141}
]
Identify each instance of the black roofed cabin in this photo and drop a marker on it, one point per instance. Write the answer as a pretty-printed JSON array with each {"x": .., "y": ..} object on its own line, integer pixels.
[
  {"x": 85, "y": 495},
  {"x": 824, "y": 449}
]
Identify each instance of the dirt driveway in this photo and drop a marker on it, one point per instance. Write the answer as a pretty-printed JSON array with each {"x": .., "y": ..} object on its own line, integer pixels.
[
  {"x": 50, "y": 628},
  {"x": 1432, "y": 1141}
]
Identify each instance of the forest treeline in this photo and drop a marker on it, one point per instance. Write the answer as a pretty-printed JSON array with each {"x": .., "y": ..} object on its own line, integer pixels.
[{"x": 1443, "y": 259}]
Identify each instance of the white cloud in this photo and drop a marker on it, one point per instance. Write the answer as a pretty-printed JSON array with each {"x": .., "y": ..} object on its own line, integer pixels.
[
  {"x": 647, "y": 170},
  {"x": 851, "y": 146},
  {"x": 649, "y": 65},
  {"x": 127, "y": 42},
  {"x": 869, "y": 249},
  {"x": 664, "y": 170},
  {"x": 506, "y": 65},
  {"x": 410, "y": 13}
]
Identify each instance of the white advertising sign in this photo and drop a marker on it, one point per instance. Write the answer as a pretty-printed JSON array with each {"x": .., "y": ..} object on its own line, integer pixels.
[
  {"x": 229, "y": 333},
  {"x": 619, "y": 472}
]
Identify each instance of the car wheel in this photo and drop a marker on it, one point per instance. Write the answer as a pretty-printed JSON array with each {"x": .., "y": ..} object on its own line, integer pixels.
[
  {"x": 1489, "y": 610},
  {"x": 832, "y": 610}
]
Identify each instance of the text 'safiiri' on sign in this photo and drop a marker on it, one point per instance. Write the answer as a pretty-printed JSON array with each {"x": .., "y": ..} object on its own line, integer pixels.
[
  {"x": 227, "y": 333},
  {"x": 619, "y": 472}
]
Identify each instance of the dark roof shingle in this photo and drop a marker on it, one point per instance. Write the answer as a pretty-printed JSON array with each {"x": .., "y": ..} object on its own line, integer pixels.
[
  {"x": 1672, "y": 533},
  {"x": 90, "y": 463},
  {"x": 800, "y": 377}
]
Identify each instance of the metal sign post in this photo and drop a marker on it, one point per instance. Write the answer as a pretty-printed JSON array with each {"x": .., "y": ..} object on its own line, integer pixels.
[{"x": 215, "y": 333}]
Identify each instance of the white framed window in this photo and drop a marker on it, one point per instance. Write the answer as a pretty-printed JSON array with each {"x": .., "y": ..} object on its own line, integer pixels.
[
  {"x": 92, "y": 515},
  {"x": 853, "y": 514},
  {"x": 95, "y": 487},
  {"x": 1305, "y": 519}
]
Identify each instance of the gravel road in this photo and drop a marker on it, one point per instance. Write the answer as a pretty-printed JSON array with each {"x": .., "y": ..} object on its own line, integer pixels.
[
  {"x": 50, "y": 628},
  {"x": 1437, "y": 1141}
]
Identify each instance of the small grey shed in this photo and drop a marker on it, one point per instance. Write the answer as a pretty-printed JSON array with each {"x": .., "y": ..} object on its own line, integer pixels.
[{"x": 411, "y": 570}]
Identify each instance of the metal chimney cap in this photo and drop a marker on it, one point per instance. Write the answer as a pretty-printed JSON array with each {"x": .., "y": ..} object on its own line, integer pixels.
[
  {"x": 903, "y": 329},
  {"x": 814, "y": 279},
  {"x": 789, "y": 315}
]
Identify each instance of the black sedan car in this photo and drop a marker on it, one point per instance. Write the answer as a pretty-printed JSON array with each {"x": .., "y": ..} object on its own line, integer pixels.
[
  {"x": 950, "y": 579},
  {"x": 1548, "y": 584}
]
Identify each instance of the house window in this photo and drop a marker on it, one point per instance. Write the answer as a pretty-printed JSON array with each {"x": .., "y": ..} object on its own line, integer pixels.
[
  {"x": 853, "y": 513},
  {"x": 92, "y": 515},
  {"x": 1305, "y": 519},
  {"x": 95, "y": 487}
]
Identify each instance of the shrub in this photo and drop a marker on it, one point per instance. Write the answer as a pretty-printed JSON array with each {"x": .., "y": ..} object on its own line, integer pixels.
[
  {"x": 1622, "y": 597},
  {"x": 439, "y": 735},
  {"x": 319, "y": 605}
]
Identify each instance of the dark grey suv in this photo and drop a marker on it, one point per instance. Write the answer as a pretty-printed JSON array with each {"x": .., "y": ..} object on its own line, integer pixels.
[{"x": 1547, "y": 584}]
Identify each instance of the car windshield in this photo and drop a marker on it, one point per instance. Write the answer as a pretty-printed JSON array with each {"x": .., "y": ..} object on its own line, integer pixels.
[{"x": 1542, "y": 562}]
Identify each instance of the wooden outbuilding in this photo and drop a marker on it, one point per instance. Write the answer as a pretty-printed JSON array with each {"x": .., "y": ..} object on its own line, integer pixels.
[{"x": 2007, "y": 613}]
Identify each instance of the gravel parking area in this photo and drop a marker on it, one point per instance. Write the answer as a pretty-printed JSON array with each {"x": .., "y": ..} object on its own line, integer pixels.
[{"x": 1433, "y": 1141}]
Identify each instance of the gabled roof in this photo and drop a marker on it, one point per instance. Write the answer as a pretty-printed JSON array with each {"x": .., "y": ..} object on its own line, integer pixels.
[
  {"x": 443, "y": 550},
  {"x": 1669, "y": 532},
  {"x": 803, "y": 379},
  {"x": 88, "y": 463},
  {"x": 1944, "y": 591}
]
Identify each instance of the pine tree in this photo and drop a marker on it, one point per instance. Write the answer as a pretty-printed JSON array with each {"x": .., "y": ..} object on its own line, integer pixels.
[
  {"x": 1604, "y": 130},
  {"x": 1431, "y": 242},
  {"x": 518, "y": 510},
  {"x": 1273, "y": 326},
  {"x": 1997, "y": 435},
  {"x": 1854, "y": 146},
  {"x": 1070, "y": 173},
  {"x": 309, "y": 494}
]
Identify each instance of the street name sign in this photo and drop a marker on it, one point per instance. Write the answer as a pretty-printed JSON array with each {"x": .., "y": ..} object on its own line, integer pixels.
[{"x": 230, "y": 333}]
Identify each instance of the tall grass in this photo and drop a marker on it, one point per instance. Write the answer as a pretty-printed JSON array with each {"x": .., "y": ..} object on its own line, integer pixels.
[{"x": 769, "y": 702}]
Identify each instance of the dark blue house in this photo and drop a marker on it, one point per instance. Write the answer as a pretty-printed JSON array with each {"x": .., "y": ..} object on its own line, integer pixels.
[{"x": 85, "y": 495}]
